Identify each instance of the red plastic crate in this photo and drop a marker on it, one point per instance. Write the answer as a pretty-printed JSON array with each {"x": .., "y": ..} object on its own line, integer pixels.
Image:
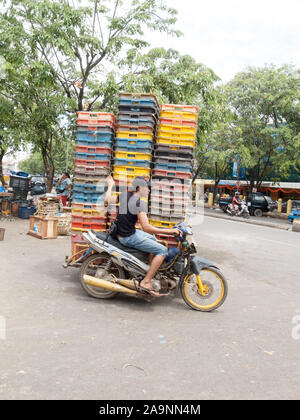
[
  {"x": 92, "y": 163},
  {"x": 171, "y": 174},
  {"x": 141, "y": 128},
  {"x": 170, "y": 186},
  {"x": 78, "y": 246},
  {"x": 89, "y": 149},
  {"x": 170, "y": 240},
  {"x": 79, "y": 219},
  {"x": 178, "y": 122}
]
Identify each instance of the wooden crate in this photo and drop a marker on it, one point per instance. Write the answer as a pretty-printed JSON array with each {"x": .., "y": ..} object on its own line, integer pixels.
[{"x": 46, "y": 227}]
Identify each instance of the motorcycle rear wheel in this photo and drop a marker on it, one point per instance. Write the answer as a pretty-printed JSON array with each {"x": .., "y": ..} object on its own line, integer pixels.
[
  {"x": 215, "y": 286},
  {"x": 90, "y": 267}
]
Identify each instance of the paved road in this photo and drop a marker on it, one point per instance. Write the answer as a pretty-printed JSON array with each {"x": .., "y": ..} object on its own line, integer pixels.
[{"x": 62, "y": 344}]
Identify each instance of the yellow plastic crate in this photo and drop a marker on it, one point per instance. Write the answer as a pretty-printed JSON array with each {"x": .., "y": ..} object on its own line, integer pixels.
[
  {"x": 85, "y": 230},
  {"x": 161, "y": 223},
  {"x": 87, "y": 212},
  {"x": 176, "y": 142},
  {"x": 178, "y": 129},
  {"x": 179, "y": 115},
  {"x": 134, "y": 135},
  {"x": 175, "y": 135},
  {"x": 124, "y": 177},
  {"x": 131, "y": 170},
  {"x": 132, "y": 155}
]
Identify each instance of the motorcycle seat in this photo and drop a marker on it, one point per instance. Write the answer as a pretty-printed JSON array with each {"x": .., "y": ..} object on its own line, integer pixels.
[{"x": 142, "y": 256}]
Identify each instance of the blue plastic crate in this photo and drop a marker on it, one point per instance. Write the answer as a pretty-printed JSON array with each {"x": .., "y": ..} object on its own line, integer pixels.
[
  {"x": 92, "y": 156},
  {"x": 133, "y": 145},
  {"x": 93, "y": 136},
  {"x": 172, "y": 167},
  {"x": 90, "y": 188},
  {"x": 26, "y": 212},
  {"x": 132, "y": 162},
  {"x": 137, "y": 102},
  {"x": 82, "y": 129},
  {"x": 88, "y": 198},
  {"x": 97, "y": 143},
  {"x": 150, "y": 122}
]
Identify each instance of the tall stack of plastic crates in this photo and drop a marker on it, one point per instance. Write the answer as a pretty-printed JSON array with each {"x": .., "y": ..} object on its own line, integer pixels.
[
  {"x": 136, "y": 128},
  {"x": 94, "y": 143},
  {"x": 173, "y": 164}
]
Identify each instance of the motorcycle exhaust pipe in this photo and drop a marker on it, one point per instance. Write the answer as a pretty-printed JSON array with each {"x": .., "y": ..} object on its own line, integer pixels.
[{"x": 104, "y": 284}]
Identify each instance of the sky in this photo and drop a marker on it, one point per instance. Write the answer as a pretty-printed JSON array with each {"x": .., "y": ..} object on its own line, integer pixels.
[{"x": 230, "y": 35}]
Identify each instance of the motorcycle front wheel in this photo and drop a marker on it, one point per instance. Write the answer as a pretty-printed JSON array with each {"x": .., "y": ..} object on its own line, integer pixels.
[
  {"x": 99, "y": 266},
  {"x": 214, "y": 285}
]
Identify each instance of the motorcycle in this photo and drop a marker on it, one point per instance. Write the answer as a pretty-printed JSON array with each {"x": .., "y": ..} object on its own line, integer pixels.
[
  {"x": 241, "y": 212},
  {"x": 109, "y": 268}
]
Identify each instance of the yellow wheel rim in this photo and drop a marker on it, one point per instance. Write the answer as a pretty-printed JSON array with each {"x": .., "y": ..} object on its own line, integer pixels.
[{"x": 213, "y": 287}]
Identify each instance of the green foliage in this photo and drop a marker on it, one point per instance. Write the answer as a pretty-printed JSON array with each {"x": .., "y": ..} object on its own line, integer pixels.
[
  {"x": 80, "y": 43},
  {"x": 265, "y": 102}
]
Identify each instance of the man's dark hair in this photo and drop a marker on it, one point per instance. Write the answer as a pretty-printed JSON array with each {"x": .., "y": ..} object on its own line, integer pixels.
[
  {"x": 140, "y": 181},
  {"x": 67, "y": 174}
]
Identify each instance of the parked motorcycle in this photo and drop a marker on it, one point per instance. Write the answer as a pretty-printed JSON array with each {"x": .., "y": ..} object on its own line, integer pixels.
[
  {"x": 242, "y": 211},
  {"x": 110, "y": 268}
]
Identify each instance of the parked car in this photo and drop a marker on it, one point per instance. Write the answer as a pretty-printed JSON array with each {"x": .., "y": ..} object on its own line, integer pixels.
[
  {"x": 37, "y": 185},
  {"x": 257, "y": 203}
]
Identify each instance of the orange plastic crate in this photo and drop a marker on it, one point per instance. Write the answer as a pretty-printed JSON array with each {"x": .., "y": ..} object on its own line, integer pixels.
[
  {"x": 177, "y": 122},
  {"x": 96, "y": 118}
]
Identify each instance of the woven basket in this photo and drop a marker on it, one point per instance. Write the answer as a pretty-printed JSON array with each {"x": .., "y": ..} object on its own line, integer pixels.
[
  {"x": 63, "y": 224},
  {"x": 47, "y": 207}
]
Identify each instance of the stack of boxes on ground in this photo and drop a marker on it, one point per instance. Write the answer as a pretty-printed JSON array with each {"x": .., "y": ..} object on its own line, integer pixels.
[
  {"x": 136, "y": 129},
  {"x": 94, "y": 142},
  {"x": 43, "y": 224},
  {"x": 173, "y": 164}
]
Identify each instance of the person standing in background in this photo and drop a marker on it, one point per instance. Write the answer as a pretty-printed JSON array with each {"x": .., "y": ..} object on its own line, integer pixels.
[{"x": 63, "y": 187}]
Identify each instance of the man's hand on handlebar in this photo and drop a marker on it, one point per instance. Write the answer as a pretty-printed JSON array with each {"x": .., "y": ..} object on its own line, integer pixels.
[{"x": 176, "y": 232}]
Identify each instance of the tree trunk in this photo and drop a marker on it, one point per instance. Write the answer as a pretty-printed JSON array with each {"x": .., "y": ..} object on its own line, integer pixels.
[
  {"x": 49, "y": 170},
  {"x": 200, "y": 167},
  {"x": 50, "y": 176},
  {"x": 2, "y": 153}
]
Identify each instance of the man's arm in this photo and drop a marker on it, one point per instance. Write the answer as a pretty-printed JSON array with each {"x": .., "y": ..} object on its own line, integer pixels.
[
  {"x": 144, "y": 222},
  {"x": 109, "y": 198}
]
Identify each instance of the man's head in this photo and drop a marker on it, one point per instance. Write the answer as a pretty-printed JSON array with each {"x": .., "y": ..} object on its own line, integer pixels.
[{"x": 141, "y": 185}]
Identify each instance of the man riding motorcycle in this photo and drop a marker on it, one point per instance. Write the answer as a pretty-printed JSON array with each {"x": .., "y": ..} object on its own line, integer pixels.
[
  {"x": 236, "y": 203},
  {"x": 132, "y": 209}
]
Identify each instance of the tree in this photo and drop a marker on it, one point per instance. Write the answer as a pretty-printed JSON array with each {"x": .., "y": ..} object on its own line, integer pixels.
[
  {"x": 265, "y": 101},
  {"x": 58, "y": 55},
  {"x": 34, "y": 163},
  {"x": 84, "y": 46},
  {"x": 30, "y": 85},
  {"x": 10, "y": 130}
]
